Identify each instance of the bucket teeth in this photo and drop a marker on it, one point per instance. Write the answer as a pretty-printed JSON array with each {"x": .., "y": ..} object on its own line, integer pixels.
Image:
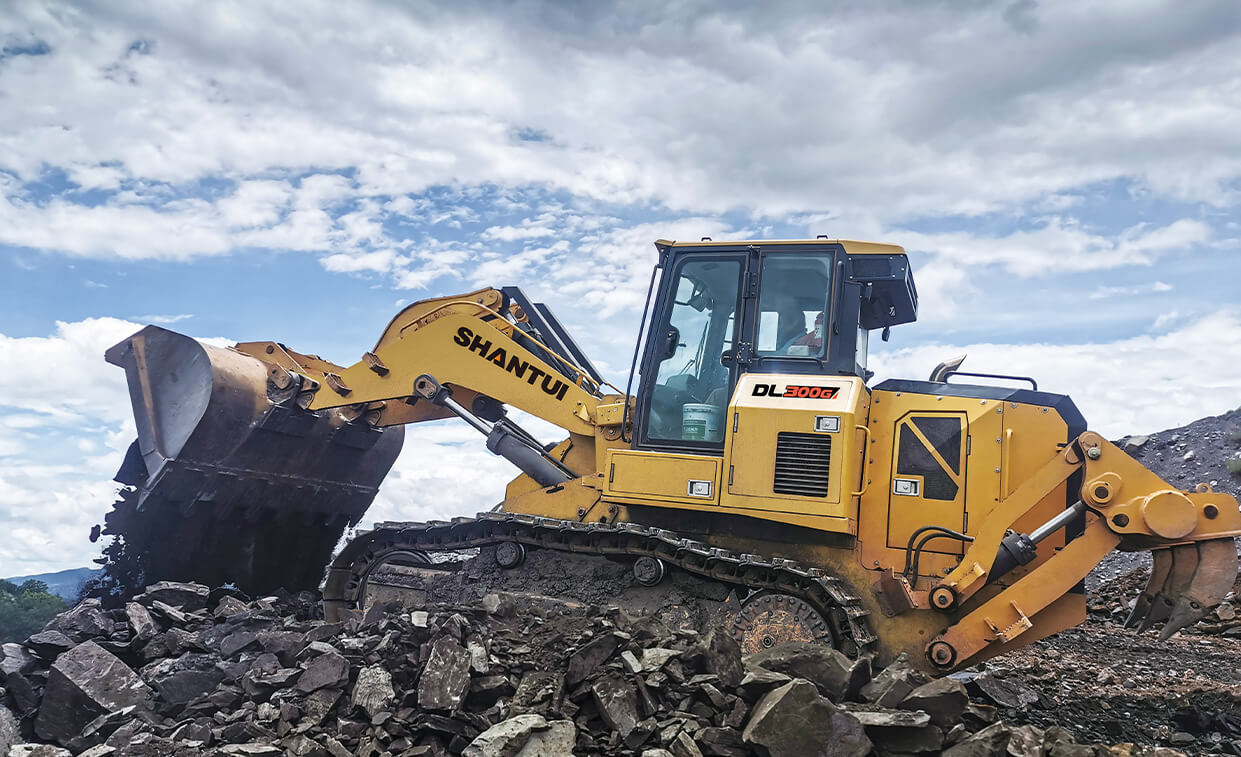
[
  {"x": 1160, "y": 606},
  {"x": 1186, "y": 582},
  {"x": 1154, "y": 585},
  {"x": 1213, "y": 577}
]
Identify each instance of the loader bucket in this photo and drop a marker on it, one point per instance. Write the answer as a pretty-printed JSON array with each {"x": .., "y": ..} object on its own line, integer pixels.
[{"x": 232, "y": 486}]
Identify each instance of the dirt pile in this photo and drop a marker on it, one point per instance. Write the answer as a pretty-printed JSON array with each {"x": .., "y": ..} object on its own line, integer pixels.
[{"x": 182, "y": 671}]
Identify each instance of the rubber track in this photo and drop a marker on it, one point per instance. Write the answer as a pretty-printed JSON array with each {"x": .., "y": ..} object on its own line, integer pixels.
[{"x": 827, "y": 594}]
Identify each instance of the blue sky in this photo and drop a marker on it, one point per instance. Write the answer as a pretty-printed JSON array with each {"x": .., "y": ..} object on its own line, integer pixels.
[{"x": 1066, "y": 177}]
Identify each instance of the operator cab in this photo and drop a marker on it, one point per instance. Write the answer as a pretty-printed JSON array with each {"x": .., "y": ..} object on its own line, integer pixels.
[{"x": 726, "y": 309}]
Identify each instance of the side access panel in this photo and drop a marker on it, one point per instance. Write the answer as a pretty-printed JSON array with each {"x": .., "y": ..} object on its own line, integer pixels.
[
  {"x": 793, "y": 445},
  {"x": 662, "y": 478}
]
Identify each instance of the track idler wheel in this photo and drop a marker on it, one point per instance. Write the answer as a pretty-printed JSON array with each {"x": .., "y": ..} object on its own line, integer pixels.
[
  {"x": 648, "y": 570},
  {"x": 767, "y": 619},
  {"x": 510, "y": 554}
]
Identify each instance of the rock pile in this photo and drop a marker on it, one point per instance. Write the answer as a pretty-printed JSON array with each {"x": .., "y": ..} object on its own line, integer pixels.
[
  {"x": 1195, "y": 453},
  {"x": 182, "y": 671}
]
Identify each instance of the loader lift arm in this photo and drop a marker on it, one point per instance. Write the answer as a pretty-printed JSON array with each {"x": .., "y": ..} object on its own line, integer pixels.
[
  {"x": 453, "y": 339},
  {"x": 1126, "y": 506}
]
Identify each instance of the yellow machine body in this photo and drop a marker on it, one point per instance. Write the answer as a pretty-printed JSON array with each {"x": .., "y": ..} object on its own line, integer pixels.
[{"x": 961, "y": 517}]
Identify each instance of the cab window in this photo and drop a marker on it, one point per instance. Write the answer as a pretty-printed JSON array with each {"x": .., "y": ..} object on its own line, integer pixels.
[
  {"x": 793, "y": 305},
  {"x": 691, "y": 387}
]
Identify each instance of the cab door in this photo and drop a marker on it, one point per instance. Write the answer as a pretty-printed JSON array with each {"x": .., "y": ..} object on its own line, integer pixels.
[{"x": 928, "y": 479}]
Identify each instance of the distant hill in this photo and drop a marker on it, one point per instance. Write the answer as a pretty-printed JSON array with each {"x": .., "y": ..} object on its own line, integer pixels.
[{"x": 64, "y": 584}]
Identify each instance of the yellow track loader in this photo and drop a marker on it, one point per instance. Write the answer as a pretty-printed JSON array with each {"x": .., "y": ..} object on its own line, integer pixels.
[{"x": 751, "y": 477}]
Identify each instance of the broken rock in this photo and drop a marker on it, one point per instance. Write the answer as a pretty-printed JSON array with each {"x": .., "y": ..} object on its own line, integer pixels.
[
  {"x": 185, "y": 596},
  {"x": 37, "y": 750},
  {"x": 589, "y": 657},
  {"x": 943, "y": 699},
  {"x": 15, "y": 658},
  {"x": 84, "y": 683},
  {"x": 49, "y": 644},
  {"x": 85, "y": 621},
  {"x": 140, "y": 621},
  {"x": 988, "y": 742},
  {"x": 181, "y": 680},
  {"x": 1003, "y": 692},
  {"x": 617, "y": 701},
  {"x": 794, "y": 721},
  {"x": 893, "y": 683},
  {"x": 506, "y": 738},
  {"x": 556, "y": 741},
  {"x": 836, "y": 675},
  {"x": 446, "y": 679},
  {"x": 327, "y": 671},
  {"x": 9, "y": 733},
  {"x": 373, "y": 691},
  {"x": 720, "y": 654}
]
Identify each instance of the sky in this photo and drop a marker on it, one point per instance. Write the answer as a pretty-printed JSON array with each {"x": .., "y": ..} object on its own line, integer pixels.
[{"x": 1065, "y": 176}]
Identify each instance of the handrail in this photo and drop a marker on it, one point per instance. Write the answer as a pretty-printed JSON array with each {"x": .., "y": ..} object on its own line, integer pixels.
[{"x": 865, "y": 462}]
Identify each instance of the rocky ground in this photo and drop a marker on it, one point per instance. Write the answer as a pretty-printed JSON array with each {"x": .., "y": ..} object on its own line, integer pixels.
[{"x": 183, "y": 671}]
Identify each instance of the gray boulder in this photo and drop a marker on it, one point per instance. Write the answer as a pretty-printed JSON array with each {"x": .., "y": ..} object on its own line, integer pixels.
[
  {"x": 84, "y": 683},
  {"x": 556, "y": 741},
  {"x": 50, "y": 644},
  {"x": 185, "y": 678},
  {"x": 184, "y": 596},
  {"x": 9, "y": 733},
  {"x": 990, "y": 741},
  {"x": 327, "y": 671},
  {"x": 617, "y": 701},
  {"x": 446, "y": 678},
  {"x": 794, "y": 721},
  {"x": 506, "y": 738},
  {"x": 37, "y": 750},
  {"x": 373, "y": 691},
  {"x": 15, "y": 658},
  {"x": 140, "y": 621},
  {"x": 944, "y": 699},
  {"x": 837, "y": 676},
  {"x": 87, "y": 620}
]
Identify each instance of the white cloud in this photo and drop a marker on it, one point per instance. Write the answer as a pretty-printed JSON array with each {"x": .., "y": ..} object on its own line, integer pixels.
[
  {"x": 1058, "y": 246},
  {"x": 450, "y": 146},
  {"x": 1134, "y": 385},
  {"x": 163, "y": 320},
  {"x": 864, "y": 111},
  {"x": 1105, "y": 292},
  {"x": 64, "y": 425}
]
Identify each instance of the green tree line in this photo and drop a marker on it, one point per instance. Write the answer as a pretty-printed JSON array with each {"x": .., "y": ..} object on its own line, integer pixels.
[{"x": 25, "y": 609}]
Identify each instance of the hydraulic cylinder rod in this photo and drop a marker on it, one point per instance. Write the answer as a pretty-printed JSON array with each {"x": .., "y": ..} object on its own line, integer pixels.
[{"x": 503, "y": 437}]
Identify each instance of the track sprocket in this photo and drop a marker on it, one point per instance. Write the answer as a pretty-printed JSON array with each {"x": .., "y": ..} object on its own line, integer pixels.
[{"x": 770, "y": 618}]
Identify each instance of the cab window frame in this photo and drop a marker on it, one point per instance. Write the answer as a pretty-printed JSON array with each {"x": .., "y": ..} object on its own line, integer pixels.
[{"x": 652, "y": 359}]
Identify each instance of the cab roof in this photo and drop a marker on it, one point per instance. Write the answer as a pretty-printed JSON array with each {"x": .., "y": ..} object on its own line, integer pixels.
[{"x": 851, "y": 246}]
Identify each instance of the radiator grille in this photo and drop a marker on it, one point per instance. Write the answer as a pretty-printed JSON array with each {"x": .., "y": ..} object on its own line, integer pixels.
[{"x": 802, "y": 464}]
